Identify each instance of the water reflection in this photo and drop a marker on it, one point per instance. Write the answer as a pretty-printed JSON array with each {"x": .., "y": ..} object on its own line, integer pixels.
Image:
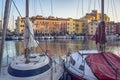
[
  {"x": 9, "y": 52},
  {"x": 56, "y": 47}
]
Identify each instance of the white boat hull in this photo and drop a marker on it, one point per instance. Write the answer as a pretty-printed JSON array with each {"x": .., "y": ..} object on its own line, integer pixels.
[{"x": 79, "y": 68}]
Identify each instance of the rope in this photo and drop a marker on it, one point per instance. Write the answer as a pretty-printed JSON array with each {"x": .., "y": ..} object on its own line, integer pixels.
[
  {"x": 51, "y": 8},
  {"x": 108, "y": 7},
  {"x": 89, "y": 6},
  {"x": 115, "y": 10},
  {"x": 114, "y": 69},
  {"x": 94, "y": 4},
  {"x": 82, "y": 8},
  {"x": 77, "y": 8},
  {"x": 112, "y": 10},
  {"x": 41, "y": 7},
  {"x": 16, "y": 8},
  {"x": 34, "y": 12},
  {"x": 99, "y": 4}
]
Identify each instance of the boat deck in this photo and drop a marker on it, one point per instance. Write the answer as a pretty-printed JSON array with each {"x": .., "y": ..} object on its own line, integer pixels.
[{"x": 54, "y": 74}]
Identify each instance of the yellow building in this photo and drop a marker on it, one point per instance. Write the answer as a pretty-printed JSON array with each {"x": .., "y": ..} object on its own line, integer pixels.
[
  {"x": 0, "y": 27},
  {"x": 78, "y": 26},
  {"x": 70, "y": 26},
  {"x": 21, "y": 22},
  {"x": 94, "y": 16}
]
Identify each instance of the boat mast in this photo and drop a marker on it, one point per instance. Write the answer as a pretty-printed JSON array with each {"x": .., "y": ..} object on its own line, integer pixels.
[
  {"x": 5, "y": 25},
  {"x": 26, "y": 26},
  {"x": 102, "y": 10},
  {"x": 27, "y": 8},
  {"x": 102, "y": 46}
]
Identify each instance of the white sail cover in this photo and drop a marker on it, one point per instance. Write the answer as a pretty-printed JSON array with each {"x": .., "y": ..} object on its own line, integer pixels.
[{"x": 29, "y": 40}]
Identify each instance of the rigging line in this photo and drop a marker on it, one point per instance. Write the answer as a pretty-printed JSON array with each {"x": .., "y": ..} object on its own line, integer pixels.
[
  {"x": 51, "y": 8},
  {"x": 108, "y": 62},
  {"x": 99, "y": 4},
  {"x": 16, "y": 8},
  {"x": 2, "y": 10},
  {"x": 115, "y": 10},
  {"x": 77, "y": 8},
  {"x": 94, "y": 4},
  {"x": 34, "y": 13},
  {"x": 82, "y": 8},
  {"x": 12, "y": 17},
  {"x": 108, "y": 7},
  {"x": 112, "y": 10},
  {"x": 89, "y": 6},
  {"x": 41, "y": 7}
]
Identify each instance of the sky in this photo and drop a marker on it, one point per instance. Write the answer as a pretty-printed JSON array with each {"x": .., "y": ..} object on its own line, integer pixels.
[{"x": 63, "y": 8}]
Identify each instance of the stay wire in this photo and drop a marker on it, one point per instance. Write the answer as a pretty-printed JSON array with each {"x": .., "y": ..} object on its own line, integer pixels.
[
  {"x": 114, "y": 69},
  {"x": 51, "y": 7},
  {"x": 112, "y": 10},
  {"x": 77, "y": 8},
  {"x": 94, "y": 4},
  {"x": 99, "y": 4},
  {"x": 89, "y": 5},
  {"x": 82, "y": 8},
  {"x": 16, "y": 8},
  {"x": 41, "y": 7},
  {"x": 108, "y": 7},
  {"x": 115, "y": 10}
]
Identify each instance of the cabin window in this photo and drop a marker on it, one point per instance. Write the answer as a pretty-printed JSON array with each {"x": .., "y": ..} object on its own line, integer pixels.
[{"x": 82, "y": 67}]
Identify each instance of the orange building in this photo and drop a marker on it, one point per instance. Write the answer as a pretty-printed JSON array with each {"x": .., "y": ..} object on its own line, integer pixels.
[{"x": 42, "y": 25}]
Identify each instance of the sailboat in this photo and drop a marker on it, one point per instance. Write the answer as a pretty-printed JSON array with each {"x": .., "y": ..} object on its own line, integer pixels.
[
  {"x": 94, "y": 64},
  {"x": 30, "y": 65}
]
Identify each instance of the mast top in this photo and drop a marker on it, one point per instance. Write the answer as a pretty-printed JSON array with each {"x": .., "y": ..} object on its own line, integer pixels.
[
  {"x": 102, "y": 10},
  {"x": 27, "y": 8}
]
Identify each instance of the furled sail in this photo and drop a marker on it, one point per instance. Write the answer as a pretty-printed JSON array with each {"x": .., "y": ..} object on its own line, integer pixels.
[
  {"x": 29, "y": 40},
  {"x": 100, "y": 36}
]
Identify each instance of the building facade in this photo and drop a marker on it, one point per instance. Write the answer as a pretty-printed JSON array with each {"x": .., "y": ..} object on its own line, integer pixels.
[
  {"x": 92, "y": 26},
  {"x": 78, "y": 27},
  {"x": 70, "y": 26},
  {"x": 61, "y": 26},
  {"x": 94, "y": 16},
  {"x": 0, "y": 27}
]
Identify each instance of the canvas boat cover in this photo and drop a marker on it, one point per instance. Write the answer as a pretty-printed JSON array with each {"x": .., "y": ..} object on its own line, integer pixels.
[
  {"x": 29, "y": 40},
  {"x": 105, "y": 66}
]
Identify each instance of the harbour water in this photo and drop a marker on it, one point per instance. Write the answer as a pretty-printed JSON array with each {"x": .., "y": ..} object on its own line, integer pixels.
[{"x": 55, "y": 47}]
